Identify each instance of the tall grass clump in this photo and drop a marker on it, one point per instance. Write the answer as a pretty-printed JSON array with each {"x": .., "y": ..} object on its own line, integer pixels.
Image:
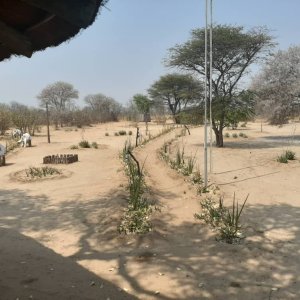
[
  {"x": 225, "y": 220},
  {"x": 179, "y": 158},
  {"x": 282, "y": 159}
]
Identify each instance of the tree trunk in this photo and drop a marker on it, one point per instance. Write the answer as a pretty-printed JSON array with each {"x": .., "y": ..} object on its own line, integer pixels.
[
  {"x": 176, "y": 119},
  {"x": 219, "y": 137}
]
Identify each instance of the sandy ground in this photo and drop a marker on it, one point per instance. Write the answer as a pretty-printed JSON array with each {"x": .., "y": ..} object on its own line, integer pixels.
[{"x": 59, "y": 237}]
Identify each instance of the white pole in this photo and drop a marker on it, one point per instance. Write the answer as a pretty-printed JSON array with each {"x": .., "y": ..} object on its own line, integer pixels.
[
  {"x": 210, "y": 86},
  {"x": 205, "y": 99}
]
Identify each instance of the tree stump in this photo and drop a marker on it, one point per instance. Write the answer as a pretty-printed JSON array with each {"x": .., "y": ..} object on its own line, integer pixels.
[{"x": 2, "y": 160}]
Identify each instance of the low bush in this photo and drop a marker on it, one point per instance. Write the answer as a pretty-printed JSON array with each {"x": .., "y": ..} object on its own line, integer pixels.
[
  {"x": 282, "y": 159},
  {"x": 225, "y": 220},
  {"x": 94, "y": 145},
  {"x": 106, "y": 134},
  {"x": 73, "y": 147},
  {"x": 122, "y": 132},
  {"x": 234, "y": 135},
  {"x": 227, "y": 135},
  {"x": 34, "y": 172},
  {"x": 129, "y": 132},
  {"x": 290, "y": 155},
  {"x": 84, "y": 144}
]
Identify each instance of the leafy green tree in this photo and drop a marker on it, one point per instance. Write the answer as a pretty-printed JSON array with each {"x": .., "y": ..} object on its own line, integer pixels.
[
  {"x": 59, "y": 96},
  {"x": 234, "y": 50},
  {"x": 177, "y": 91},
  {"x": 143, "y": 104}
]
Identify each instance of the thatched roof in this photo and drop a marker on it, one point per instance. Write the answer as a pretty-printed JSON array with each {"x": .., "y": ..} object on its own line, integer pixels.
[{"x": 27, "y": 26}]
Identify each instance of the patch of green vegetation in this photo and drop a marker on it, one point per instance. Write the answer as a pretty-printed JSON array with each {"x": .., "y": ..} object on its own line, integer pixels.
[
  {"x": 94, "y": 145},
  {"x": 84, "y": 144},
  {"x": 34, "y": 172},
  {"x": 225, "y": 220}
]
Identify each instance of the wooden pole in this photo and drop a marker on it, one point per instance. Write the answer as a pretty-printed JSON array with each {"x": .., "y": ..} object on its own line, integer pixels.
[{"x": 48, "y": 129}]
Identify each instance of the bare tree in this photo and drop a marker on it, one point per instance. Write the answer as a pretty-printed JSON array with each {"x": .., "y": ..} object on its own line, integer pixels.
[
  {"x": 104, "y": 109},
  {"x": 5, "y": 118},
  {"x": 25, "y": 118},
  {"x": 59, "y": 96},
  {"x": 277, "y": 86}
]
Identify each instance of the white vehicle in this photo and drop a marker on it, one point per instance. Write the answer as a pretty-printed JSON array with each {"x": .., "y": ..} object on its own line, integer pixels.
[{"x": 25, "y": 140}]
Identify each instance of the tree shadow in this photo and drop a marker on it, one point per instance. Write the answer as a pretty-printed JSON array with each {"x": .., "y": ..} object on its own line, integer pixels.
[
  {"x": 32, "y": 271},
  {"x": 266, "y": 265}
]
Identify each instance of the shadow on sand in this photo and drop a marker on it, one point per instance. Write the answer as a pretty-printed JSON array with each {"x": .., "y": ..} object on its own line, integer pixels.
[{"x": 265, "y": 266}]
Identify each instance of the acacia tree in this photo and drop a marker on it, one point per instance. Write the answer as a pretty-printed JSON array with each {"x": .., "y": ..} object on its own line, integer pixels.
[
  {"x": 59, "y": 96},
  {"x": 177, "y": 91},
  {"x": 143, "y": 104},
  {"x": 234, "y": 50},
  {"x": 277, "y": 86}
]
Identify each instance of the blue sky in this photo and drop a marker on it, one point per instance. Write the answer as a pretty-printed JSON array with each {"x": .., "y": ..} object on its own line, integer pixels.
[{"x": 121, "y": 54}]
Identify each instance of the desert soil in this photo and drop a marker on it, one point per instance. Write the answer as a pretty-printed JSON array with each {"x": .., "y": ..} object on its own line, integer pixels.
[{"x": 59, "y": 237}]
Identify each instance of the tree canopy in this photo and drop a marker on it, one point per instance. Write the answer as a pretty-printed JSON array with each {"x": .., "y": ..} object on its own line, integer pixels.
[
  {"x": 277, "y": 86},
  {"x": 143, "y": 104},
  {"x": 59, "y": 96},
  {"x": 103, "y": 108},
  {"x": 234, "y": 50},
  {"x": 177, "y": 91}
]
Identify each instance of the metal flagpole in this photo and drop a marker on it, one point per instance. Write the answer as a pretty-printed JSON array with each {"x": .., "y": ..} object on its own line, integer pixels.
[
  {"x": 210, "y": 86},
  {"x": 205, "y": 104}
]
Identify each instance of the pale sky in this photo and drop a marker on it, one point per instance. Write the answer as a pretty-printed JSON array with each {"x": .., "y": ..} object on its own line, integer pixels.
[{"x": 121, "y": 54}]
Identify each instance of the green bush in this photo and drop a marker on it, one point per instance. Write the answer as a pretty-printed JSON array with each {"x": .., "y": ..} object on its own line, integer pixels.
[
  {"x": 73, "y": 147},
  {"x": 122, "y": 132},
  {"x": 227, "y": 135},
  {"x": 282, "y": 159},
  {"x": 234, "y": 135},
  {"x": 84, "y": 144},
  {"x": 116, "y": 134},
  {"x": 94, "y": 145},
  {"x": 290, "y": 155}
]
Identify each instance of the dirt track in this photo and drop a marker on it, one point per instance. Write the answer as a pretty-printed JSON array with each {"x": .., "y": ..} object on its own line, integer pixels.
[{"x": 61, "y": 241}]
